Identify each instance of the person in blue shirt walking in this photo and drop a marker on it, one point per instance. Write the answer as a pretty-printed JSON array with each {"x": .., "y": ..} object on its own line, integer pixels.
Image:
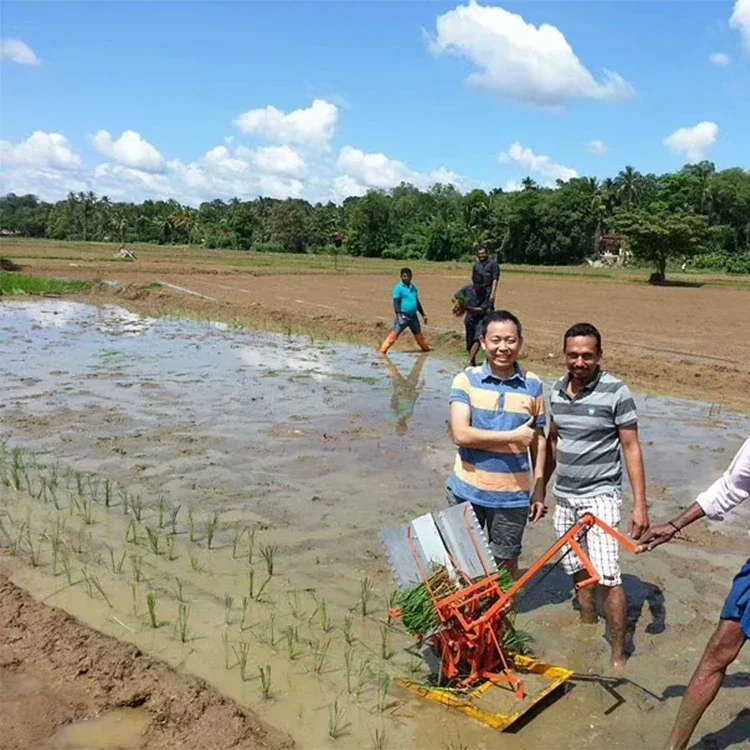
[{"x": 406, "y": 305}]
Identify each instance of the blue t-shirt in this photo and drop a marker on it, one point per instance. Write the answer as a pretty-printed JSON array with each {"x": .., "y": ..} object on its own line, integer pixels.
[{"x": 408, "y": 296}]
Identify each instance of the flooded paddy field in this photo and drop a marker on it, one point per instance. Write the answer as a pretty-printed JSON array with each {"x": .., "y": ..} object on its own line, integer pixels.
[{"x": 214, "y": 496}]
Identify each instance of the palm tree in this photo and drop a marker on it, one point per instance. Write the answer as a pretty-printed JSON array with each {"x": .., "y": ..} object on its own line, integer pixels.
[
  {"x": 528, "y": 184},
  {"x": 629, "y": 186}
]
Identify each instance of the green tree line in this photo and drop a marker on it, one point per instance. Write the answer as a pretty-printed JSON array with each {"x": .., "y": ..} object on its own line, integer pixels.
[{"x": 697, "y": 216}]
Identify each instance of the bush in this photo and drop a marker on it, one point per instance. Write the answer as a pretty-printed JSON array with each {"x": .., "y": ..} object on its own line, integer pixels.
[{"x": 738, "y": 264}]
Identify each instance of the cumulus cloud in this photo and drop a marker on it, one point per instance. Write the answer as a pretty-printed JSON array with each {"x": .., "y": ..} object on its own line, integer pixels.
[
  {"x": 312, "y": 127},
  {"x": 740, "y": 20},
  {"x": 368, "y": 171},
  {"x": 222, "y": 172},
  {"x": 520, "y": 60},
  {"x": 40, "y": 149},
  {"x": 598, "y": 148},
  {"x": 536, "y": 164},
  {"x": 129, "y": 150},
  {"x": 719, "y": 59},
  {"x": 46, "y": 165},
  {"x": 14, "y": 50},
  {"x": 692, "y": 143}
]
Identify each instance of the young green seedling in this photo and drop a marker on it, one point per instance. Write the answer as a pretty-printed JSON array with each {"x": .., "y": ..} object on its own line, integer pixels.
[
  {"x": 326, "y": 625},
  {"x": 265, "y": 681},
  {"x": 225, "y": 642},
  {"x": 268, "y": 552},
  {"x": 251, "y": 545},
  {"x": 292, "y": 640},
  {"x": 228, "y": 602},
  {"x": 117, "y": 566},
  {"x": 241, "y": 653},
  {"x": 131, "y": 533},
  {"x": 245, "y": 606},
  {"x": 183, "y": 613},
  {"x": 384, "y": 685},
  {"x": 386, "y": 652},
  {"x": 195, "y": 562},
  {"x": 170, "y": 549},
  {"x": 107, "y": 493},
  {"x": 379, "y": 739},
  {"x": 191, "y": 526},
  {"x": 174, "y": 511},
  {"x": 336, "y": 720},
  {"x": 151, "y": 603},
  {"x": 347, "y": 629},
  {"x": 238, "y": 534},
  {"x": 153, "y": 540},
  {"x": 180, "y": 597},
  {"x": 348, "y": 666},
  {"x": 136, "y": 562},
  {"x": 366, "y": 592},
  {"x": 161, "y": 509},
  {"x": 211, "y": 529},
  {"x": 136, "y": 505},
  {"x": 320, "y": 655}
]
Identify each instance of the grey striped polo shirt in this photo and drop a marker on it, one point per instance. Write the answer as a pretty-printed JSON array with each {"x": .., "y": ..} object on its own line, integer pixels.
[{"x": 588, "y": 442}]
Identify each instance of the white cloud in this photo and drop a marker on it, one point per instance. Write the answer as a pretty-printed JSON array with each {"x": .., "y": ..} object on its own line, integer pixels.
[
  {"x": 363, "y": 172},
  {"x": 46, "y": 165},
  {"x": 40, "y": 149},
  {"x": 130, "y": 150},
  {"x": 692, "y": 143},
  {"x": 14, "y": 50},
  {"x": 512, "y": 186},
  {"x": 740, "y": 20},
  {"x": 598, "y": 148},
  {"x": 536, "y": 164},
  {"x": 312, "y": 127},
  {"x": 719, "y": 59},
  {"x": 520, "y": 60},
  {"x": 374, "y": 170}
]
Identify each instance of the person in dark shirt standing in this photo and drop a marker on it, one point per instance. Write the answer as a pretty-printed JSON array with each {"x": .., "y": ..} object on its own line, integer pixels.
[
  {"x": 489, "y": 270},
  {"x": 474, "y": 301}
]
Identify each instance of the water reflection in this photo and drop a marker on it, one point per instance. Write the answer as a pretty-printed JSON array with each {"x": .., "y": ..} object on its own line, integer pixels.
[{"x": 406, "y": 390}]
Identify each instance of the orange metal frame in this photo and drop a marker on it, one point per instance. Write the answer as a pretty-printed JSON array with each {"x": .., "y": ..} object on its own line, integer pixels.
[{"x": 474, "y": 618}]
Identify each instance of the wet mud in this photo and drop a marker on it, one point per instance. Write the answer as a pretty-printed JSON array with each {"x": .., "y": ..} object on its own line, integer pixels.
[{"x": 305, "y": 450}]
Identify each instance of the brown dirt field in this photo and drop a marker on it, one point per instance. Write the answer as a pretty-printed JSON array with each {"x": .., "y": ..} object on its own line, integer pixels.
[
  {"x": 690, "y": 341},
  {"x": 55, "y": 671}
]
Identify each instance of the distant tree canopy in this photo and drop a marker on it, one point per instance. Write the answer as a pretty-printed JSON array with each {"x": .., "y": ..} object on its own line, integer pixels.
[{"x": 697, "y": 215}]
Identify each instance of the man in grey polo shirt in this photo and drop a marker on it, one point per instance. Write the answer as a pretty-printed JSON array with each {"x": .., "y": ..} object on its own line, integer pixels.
[{"x": 593, "y": 422}]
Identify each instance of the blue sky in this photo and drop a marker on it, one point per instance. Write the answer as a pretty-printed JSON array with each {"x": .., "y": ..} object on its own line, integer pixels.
[{"x": 394, "y": 82}]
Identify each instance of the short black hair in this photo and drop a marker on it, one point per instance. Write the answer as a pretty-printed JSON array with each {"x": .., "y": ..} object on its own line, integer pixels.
[
  {"x": 405, "y": 270},
  {"x": 500, "y": 316},
  {"x": 583, "y": 329}
]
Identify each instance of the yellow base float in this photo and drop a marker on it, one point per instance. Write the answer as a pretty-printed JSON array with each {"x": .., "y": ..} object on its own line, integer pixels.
[{"x": 477, "y": 703}]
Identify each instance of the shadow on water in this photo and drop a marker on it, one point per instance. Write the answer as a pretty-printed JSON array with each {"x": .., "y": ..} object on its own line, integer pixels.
[
  {"x": 736, "y": 680},
  {"x": 554, "y": 587}
]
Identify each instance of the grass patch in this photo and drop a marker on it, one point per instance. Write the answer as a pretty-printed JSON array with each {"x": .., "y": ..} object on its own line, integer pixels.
[{"x": 19, "y": 283}]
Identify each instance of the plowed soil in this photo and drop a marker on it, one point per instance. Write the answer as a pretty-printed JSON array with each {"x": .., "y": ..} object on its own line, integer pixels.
[{"x": 689, "y": 339}]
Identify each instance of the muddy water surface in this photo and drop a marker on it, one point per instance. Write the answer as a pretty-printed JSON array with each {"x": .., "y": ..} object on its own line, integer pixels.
[{"x": 318, "y": 446}]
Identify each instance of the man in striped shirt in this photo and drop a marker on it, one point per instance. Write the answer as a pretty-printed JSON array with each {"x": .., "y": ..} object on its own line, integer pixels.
[
  {"x": 593, "y": 421},
  {"x": 497, "y": 419}
]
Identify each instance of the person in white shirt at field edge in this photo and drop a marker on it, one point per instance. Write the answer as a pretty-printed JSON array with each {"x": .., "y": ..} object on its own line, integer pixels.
[{"x": 733, "y": 630}]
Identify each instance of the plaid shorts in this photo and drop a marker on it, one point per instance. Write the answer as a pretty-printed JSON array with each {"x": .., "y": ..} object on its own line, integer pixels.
[{"x": 602, "y": 549}]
